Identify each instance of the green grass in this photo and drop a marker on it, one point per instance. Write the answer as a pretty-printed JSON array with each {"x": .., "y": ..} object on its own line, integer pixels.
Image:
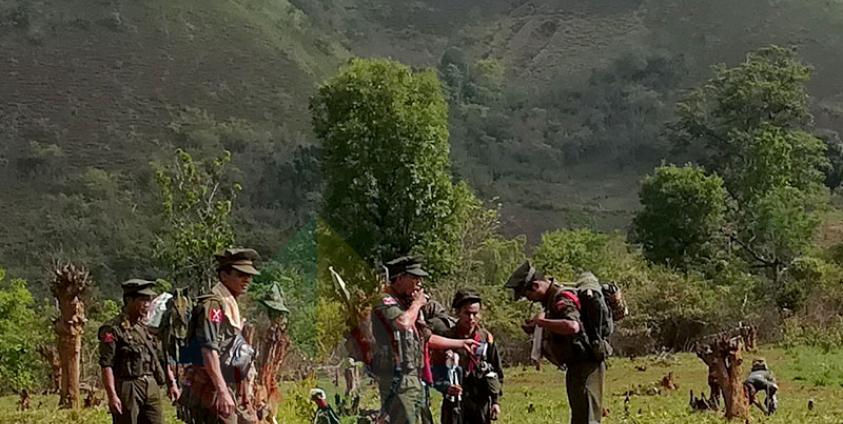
[{"x": 803, "y": 373}]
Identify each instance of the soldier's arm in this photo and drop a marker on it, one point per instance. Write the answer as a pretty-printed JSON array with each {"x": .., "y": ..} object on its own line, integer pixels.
[
  {"x": 107, "y": 351},
  {"x": 567, "y": 326},
  {"x": 443, "y": 343}
]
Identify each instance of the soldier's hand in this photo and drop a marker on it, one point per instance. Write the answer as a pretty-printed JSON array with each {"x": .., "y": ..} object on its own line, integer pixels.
[
  {"x": 115, "y": 406},
  {"x": 496, "y": 412},
  {"x": 454, "y": 390},
  {"x": 470, "y": 345},
  {"x": 224, "y": 404},
  {"x": 173, "y": 392}
]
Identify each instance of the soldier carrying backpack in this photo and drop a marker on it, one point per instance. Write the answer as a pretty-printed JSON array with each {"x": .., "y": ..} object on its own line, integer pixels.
[{"x": 575, "y": 325}]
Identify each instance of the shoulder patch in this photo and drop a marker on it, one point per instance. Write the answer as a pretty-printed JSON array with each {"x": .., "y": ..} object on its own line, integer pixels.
[
  {"x": 215, "y": 315},
  {"x": 389, "y": 300},
  {"x": 107, "y": 336}
]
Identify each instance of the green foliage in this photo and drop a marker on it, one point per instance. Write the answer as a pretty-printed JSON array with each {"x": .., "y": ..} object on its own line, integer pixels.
[
  {"x": 752, "y": 122},
  {"x": 22, "y": 330},
  {"x": 566, "y": 253},
  {"x": 782, "y": 223},
  {"x": 683, "y": 212},
  {"x": 385, "y": 162},
  {"x": 197, "y": 205}
]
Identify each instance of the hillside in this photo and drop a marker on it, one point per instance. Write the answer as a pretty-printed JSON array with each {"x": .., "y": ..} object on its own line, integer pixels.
[{"x": 94, "y": 92}]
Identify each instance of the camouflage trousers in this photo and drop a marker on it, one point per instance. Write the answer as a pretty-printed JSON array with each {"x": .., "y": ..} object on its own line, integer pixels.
[{"x": 141, "y": 402}]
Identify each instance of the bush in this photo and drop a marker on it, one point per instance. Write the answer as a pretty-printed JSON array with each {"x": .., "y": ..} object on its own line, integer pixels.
[{"x": 22, "y": 329}]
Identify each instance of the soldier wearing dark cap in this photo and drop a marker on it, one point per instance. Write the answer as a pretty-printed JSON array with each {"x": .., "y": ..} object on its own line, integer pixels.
[
  {"x": 475, "y": 398},
  {"x": 222, "y": 359},
  {"x": 401, "y": 357},
  {"x": 131, "y": 361},
  {"x": 563, "y": 340}
]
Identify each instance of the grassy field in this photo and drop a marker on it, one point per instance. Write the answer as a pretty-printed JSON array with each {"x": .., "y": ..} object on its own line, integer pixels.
[{"x": 803, "y": 374}]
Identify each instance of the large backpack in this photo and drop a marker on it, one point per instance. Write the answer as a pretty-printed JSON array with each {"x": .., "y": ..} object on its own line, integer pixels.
[
  {"x": 175, "y": 324},
  {"x": 600, "y": 306}
]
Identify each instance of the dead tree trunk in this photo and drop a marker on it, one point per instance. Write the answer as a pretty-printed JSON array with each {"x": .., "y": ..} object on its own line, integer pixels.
[
  {"x": 723, "y": 357},
  {"x": 273, "y": 350},
  {"x": 68, "y": 284}
]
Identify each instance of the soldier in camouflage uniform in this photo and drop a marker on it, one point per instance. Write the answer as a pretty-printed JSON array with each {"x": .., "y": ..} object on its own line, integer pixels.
[
  {"x": 212, "y": 393},
  {"x": 563, "y": 342},
  {"x": 131, "y": 361},
  {"x": 402, "y": 339}
]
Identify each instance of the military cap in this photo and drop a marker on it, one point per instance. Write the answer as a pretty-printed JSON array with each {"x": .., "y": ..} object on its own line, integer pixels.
[
  {"x": 274, "y": 301},
  {"x": 138, "y": 287},
  {"x": 464, "y": 297},
  {"x": 406, "y": 265},
  {"x": 521, "y": 278},
  {"x": 239, "y": 259}
]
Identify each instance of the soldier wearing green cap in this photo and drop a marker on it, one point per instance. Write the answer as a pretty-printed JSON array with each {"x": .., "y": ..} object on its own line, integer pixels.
[
  {"x": 131, "y": 361},
  {"x": 563, "y": 340},
  {"x": 223, "y": 358},
  {"x": 475, "y": 397},
  {"x": 402, "y": 338}
]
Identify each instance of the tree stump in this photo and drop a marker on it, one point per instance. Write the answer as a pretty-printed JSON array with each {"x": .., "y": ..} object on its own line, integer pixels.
[
  {"x": 723, "y": 357},
  {"x": 68, "y": 283}
]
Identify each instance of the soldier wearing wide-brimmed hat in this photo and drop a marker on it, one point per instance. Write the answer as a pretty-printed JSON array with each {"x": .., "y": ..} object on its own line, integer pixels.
[{"x": 131, "y": 361}]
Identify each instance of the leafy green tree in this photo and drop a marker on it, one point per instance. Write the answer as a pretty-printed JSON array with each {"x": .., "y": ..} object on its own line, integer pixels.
[
  {"x": 682, "y": 215},
  {"x": 196, "y": 202},
  {"x": 22, "y": 329},
  {"x": 754, "y": 128},
  {"x": 566, "y": 253},
  {"x": 753, "y": 124},
  {"x": 385, "y": 162}
]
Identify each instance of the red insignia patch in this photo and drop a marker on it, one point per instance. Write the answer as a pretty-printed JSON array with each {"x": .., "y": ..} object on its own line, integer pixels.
[
  {"x": 215, "y": 315},
  {"x": 108, "y": 338},
  {"x": 389, "y": 301}
]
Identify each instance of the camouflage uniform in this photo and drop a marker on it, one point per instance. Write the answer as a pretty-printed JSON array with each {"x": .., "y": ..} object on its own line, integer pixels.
[{"x": 133, "y": 354}]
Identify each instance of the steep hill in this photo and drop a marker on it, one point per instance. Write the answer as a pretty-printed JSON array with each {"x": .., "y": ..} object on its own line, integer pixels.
[{"x": 92, "y": 92}]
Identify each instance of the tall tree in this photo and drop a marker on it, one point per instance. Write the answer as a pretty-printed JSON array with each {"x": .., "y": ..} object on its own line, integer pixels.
[
  {"x": 197, "y": 202},
  {"x": 753, "y": 126},
  {"x": 385, "y": 159}
]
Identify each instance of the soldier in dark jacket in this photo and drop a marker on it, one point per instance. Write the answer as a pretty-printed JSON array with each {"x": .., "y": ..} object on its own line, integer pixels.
[
  {"x": 474, "y": 399},
  {"x": 131, "y": 360}
]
